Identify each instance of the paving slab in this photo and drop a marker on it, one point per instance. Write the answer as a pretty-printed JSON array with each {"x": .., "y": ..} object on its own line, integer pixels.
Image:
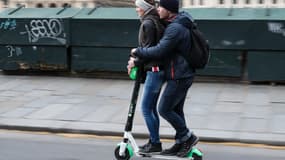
[{"x": 215, "y": 111}]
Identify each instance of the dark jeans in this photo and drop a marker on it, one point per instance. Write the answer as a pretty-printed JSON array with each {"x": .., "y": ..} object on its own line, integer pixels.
[
  {"x": 152, "y": 87},
  {"x": 171, "y": 106}
]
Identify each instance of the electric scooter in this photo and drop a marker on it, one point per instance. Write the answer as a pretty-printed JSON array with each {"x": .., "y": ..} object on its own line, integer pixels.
[{"x": 128, "y": 147}]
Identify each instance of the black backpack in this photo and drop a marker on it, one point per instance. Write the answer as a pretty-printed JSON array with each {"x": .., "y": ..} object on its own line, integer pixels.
[{"x": 199, "y": 53}]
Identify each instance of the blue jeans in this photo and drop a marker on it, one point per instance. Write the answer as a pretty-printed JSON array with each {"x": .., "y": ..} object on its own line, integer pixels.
[
  {"x": 171, "y": 106},
  {"x": 152, "y": 88}
]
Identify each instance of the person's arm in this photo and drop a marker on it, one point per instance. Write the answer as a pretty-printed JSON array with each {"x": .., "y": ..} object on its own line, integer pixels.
[{"x": 163, "y": 48}]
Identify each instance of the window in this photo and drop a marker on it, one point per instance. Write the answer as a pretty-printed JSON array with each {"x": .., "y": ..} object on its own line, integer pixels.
[
  {"x": 274, "y": 1},
  {"x": 21, "y": 5},
  {"x": 5, "y": 2},
  {"x": 261, "y": 1},
  {"x": 84, "y": 4},
  {"x": 66, "y": 5},
  {"x": 201, "y": 2},
  {"x": 234, "y": 1},
  {"x": 247, "y": 1},
  {"x": 52, "y": 5},
  {"x": 221, "y": 2},
  {"x": 39, "y": 5},
  {"x": 192, "y": 3}
]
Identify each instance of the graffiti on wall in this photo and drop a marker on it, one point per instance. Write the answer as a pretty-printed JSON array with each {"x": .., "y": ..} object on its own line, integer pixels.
[
  {"x": 8, "y": 24},
  {"x": 275, "y": 27},
  {"x": 14, "y": 51},
  {"x": 45, "y": 28}
]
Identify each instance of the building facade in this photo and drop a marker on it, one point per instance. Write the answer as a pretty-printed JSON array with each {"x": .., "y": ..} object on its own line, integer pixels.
[
  {"x": 50, "y": 3},
  {"x": 63, "y": 3},
  {"x": 233, "y": 3},
  {"x": 128, "y": 3}
]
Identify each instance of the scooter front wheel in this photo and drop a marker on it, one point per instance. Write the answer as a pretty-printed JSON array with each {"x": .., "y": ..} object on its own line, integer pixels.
[{"x": 127, "y": 155}]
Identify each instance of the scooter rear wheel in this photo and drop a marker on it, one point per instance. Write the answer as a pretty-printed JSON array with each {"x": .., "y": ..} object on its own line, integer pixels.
[{"x": 127, "y": 155}]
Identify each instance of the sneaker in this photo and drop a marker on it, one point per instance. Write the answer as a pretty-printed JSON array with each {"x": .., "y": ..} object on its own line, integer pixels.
[
  {"x": 145, "y": 145},
  {"x": 172, "y": 150},
  {"x": 187, "y": 146},
  {"x": 151, "y": 148}
]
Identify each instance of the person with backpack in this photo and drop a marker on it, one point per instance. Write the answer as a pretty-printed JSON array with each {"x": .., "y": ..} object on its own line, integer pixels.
[
  {"x": 150, "y": 32},
  {"x": 171, "y": 49}
]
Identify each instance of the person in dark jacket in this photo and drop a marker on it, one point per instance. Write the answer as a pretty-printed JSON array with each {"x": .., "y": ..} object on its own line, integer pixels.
[
  {"x": 174, "y": 43},
  {"x": 150, "y": 32}
]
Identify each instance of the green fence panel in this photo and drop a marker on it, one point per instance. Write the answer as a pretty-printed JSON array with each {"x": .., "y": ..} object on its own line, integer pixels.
[
  {"x": 223, "y": 63},
  {"x": 26, "y": 26},
  {"x": 46, "y": 58},
  {"x": 266, "y": 65},
  {"x": 108, "y": 27},
  {"x": 90, "y": 59},
  {"x": 106, "y": 38},
  {"x": 242, "y": 28},
  {"x": 35, "y": 38}
]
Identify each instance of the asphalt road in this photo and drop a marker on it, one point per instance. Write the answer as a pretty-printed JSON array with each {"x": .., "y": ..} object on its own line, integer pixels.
[{"x": 45, "y": 146}]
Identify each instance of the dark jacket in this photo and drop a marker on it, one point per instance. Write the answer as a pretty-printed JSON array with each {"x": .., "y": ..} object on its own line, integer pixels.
[
  {"x": 174, "y": 43},
  {"x": 150, "y": 32}
]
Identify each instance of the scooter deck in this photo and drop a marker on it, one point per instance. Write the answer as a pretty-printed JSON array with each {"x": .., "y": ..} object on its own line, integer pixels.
[{"x": 158, "y": 156}]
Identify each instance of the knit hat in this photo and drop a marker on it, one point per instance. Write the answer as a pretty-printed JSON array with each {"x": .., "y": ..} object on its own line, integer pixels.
[
  {"x": 143, "y": 4},
  {"x": 170, "y": 5}
]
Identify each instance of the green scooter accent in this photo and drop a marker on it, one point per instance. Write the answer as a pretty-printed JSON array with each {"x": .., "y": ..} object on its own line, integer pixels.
[
  {"x": 129, "y": 153},
  {"x": 134, "y": 71},
  {"x": 130, "y": 149},
  {"x": 193, "y": 152}
]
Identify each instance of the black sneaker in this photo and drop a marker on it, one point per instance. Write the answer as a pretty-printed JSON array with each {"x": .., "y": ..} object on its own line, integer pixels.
[
  {"x": 145, "y": 145},
  {"x": 151, "y": 148},
  {"x": 172, "y": 150},
  {"x": 187, "y": 146}
]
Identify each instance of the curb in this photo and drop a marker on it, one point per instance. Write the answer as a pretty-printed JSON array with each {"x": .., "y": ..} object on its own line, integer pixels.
[{"x": 137, "y": 135}]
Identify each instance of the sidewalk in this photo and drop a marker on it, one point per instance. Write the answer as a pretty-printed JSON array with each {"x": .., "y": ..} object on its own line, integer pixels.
[{"x": 214, "y": 111}]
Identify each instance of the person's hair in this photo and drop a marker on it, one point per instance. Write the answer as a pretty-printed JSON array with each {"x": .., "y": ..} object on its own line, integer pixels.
[{"x": 152, "y": 2}]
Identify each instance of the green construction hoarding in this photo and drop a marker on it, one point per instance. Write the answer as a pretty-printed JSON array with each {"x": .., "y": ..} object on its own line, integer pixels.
[
  {"x": 35, "y": 38},
  {"x": 107, "y": 36},
  {"x": 100, "y": 39}
]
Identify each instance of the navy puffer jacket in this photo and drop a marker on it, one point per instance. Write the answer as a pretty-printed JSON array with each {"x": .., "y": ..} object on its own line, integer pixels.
[{"x": 174, "y": 43}]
